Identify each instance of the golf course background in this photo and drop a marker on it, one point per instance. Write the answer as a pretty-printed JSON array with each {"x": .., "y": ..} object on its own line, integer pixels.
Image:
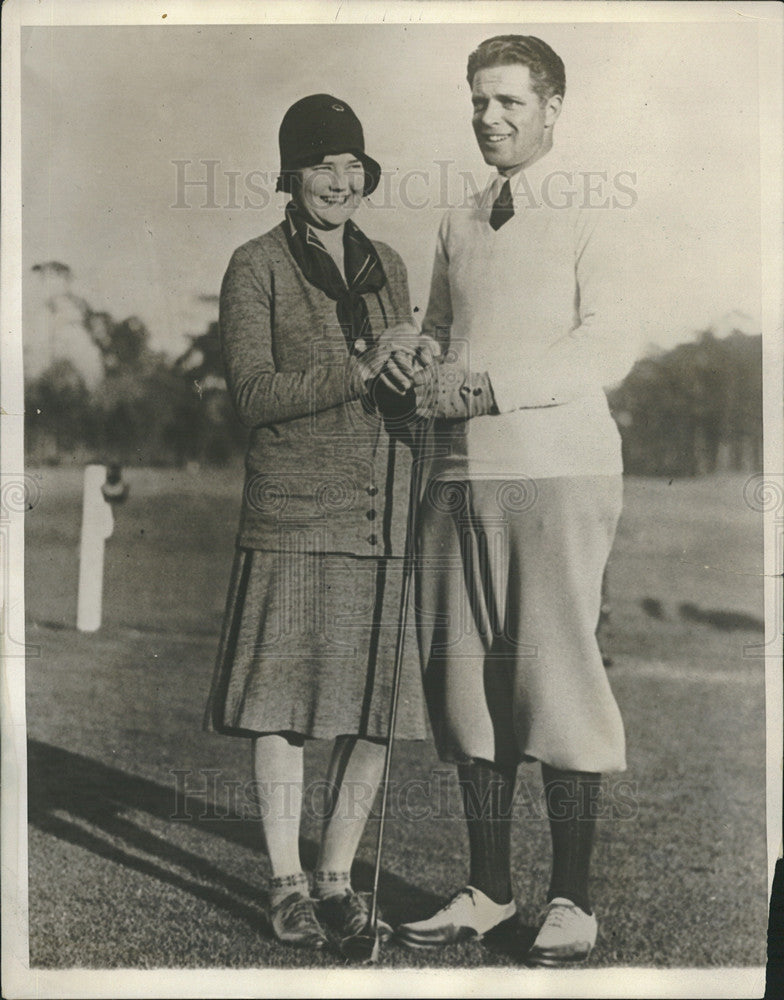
[{"x": 143, "y": 851}]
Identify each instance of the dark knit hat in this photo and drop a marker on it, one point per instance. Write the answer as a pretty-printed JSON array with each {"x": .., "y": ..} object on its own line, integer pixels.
[{"x": 319, "y": 126}]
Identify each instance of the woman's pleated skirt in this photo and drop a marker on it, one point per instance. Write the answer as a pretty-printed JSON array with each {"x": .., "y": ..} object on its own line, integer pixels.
[{"x": 308, "y": 646}]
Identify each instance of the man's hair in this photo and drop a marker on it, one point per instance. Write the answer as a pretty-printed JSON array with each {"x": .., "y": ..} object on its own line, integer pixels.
[{"x": 548, "y": 76}]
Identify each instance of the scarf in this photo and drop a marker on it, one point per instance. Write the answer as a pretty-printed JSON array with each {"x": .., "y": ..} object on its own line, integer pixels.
[{"x": 364, "y": 272}]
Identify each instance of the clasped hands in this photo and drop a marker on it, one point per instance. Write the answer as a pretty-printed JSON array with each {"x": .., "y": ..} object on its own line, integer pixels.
[{"x": 408, "y": 378}]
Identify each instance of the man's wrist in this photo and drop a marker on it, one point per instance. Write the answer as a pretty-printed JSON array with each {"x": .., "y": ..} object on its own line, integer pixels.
[{"x": 479, "y": 397}]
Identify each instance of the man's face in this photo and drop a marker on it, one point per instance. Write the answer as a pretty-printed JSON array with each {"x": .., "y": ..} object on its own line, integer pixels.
[{"x": 512, "y": 126}]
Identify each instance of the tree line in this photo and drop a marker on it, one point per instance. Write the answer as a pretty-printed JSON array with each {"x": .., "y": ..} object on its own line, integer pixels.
[
  {"x": 695, "y": 409},
  {"x": 146, "y": 410},
  {"x": 692, "y": 410}
]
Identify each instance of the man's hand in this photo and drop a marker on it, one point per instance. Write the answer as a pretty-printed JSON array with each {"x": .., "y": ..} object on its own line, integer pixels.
[{"x": 453, "y": 393}]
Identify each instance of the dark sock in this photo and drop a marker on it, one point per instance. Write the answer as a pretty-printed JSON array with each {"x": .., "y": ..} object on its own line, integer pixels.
[
  {"x": 572, "y": 803},
  {"x": 488, "y": 792}
]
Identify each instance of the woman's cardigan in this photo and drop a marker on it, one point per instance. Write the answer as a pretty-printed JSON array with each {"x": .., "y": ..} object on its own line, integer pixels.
[{"x": 322, "y": 473}]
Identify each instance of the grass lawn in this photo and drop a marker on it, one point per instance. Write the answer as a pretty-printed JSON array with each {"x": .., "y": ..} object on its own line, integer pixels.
[{"x": 143, "y": 851}]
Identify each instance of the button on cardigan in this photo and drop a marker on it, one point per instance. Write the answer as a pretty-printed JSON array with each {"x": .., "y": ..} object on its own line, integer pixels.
[{"x": 322, "y": 474}]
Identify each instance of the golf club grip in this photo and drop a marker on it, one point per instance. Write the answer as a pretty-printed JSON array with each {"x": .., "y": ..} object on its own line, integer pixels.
[{"x": 420, "y": 429}]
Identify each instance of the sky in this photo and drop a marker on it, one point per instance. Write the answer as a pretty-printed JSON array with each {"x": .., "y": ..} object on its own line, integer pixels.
[{"x": 108, "y": 111}]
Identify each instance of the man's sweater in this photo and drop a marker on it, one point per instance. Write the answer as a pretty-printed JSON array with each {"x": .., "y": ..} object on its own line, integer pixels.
[{"x": 544, "y": 306}]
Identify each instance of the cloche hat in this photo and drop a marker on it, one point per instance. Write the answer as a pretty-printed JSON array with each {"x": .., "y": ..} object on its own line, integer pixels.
[{"x": 317, "y": 126}]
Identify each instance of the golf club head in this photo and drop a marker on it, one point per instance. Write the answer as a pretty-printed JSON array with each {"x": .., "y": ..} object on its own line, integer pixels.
[{"x": 363, "y": 947}]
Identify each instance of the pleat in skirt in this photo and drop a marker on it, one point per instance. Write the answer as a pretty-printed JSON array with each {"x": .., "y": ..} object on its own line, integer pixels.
[{"x": 308, "y": 646}]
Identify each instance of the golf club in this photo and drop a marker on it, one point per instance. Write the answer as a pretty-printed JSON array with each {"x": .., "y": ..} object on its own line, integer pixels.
[{"x": 366, "y": 944}]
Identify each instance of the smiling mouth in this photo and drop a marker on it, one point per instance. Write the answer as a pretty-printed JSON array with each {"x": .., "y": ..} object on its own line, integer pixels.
[
  {"x": 333, "y": 201},
  {"x": 494, "y": 139}
]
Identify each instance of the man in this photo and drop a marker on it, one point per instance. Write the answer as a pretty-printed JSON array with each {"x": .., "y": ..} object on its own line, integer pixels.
[{"x": 530, "y": 307}]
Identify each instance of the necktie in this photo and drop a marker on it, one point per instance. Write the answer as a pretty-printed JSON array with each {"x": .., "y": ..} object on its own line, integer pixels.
[{"x": 503, "y": 207}]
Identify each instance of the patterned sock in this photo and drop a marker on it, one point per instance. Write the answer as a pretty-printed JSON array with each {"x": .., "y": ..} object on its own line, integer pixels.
[
  {"x": 327, "y": 883},
  {"x": 488, "y": 792},
  {"x": 572, "y": 798},
  {"x": 281, "y": 886}
]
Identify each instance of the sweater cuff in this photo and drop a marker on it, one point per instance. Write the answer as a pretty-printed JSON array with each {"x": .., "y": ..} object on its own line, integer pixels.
[{"x": 480, "y": 398}]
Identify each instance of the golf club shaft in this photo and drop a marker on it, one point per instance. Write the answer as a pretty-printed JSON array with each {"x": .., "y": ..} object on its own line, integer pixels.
[{"x": 408, "y": 566}]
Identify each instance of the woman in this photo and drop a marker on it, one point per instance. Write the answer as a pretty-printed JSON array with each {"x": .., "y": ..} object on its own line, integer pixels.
[{"x": 309, "y": 315}]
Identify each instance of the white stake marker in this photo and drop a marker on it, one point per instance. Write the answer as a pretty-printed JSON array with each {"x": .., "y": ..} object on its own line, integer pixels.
[{"x": 97, "y": 526}]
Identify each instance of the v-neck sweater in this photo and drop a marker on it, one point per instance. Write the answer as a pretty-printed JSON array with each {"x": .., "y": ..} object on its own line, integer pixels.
[{"x": 544, "y": 305}]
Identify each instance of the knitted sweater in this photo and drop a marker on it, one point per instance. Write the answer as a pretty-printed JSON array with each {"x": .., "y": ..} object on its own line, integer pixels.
[
  {"x": 322, "y": 473},
  {"x": 546, "y": 306}
]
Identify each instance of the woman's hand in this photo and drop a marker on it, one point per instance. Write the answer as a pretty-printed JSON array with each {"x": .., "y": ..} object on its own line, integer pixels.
[
  {"x": 406, "y": 365},
  {"x": 394, "y": 391},
  {"x": 400, "y": 337},
  {"x": 400, "y": 343},
  {"x": 368, "y": 362},
  {"x": 401, "y": 352}
]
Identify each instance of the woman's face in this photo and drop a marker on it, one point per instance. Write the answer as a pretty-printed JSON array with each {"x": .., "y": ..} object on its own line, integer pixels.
[{"x": 330, "y": 192}]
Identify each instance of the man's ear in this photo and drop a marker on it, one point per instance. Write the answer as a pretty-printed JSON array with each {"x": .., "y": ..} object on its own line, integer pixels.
[{"x": 552, "y": 109}]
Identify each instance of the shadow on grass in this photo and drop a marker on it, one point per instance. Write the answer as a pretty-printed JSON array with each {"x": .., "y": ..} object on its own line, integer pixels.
[
  {"x": 511, "y": 939},
  {"x": 727, "y": 621},
  {"x": 81, "y": 801},
  {"x": 653, "y": 608},
  {"x": 142, "y": 628}
]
